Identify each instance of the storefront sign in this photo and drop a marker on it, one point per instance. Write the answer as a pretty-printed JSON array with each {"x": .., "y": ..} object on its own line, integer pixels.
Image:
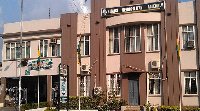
[{"x": 155, "y": 6}]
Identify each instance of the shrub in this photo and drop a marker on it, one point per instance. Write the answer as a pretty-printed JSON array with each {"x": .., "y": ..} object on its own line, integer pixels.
[
  {"x": 170, "y": 108},
  {"x": 34, "y": 105}
]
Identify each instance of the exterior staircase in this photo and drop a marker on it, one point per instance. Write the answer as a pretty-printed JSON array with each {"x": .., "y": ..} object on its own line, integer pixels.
[{"x": 132, "y": 108}]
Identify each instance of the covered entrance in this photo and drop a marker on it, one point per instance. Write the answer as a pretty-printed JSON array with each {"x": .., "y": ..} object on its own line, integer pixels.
[{"x": 133, "y": 84}]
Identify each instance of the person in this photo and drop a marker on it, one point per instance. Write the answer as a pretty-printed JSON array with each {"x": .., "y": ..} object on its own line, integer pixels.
[{"x": 7, "y": 99}]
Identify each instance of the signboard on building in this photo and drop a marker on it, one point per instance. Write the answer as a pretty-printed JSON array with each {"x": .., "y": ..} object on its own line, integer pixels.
[
  {"x": 154, "y": 6},
  {"x": 63, "y": 89},
  {"x": 44, "y": 64}
]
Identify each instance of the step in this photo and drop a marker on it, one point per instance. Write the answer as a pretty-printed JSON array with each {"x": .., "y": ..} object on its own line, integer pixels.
[{"x": 132, "y": 108}]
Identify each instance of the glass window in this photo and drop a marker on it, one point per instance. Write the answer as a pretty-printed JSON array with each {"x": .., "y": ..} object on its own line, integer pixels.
[
  {"x": 190, "y": 82},
  {"x": 13, "y": 50},
  {"x": 132, "y": 39},
  {"x": 17, "y": 50},
  {"x": 28, "y": 49},
  {"x": 113, "y": 40},
  {"x": 85, "y": 45},
  {"x": 43, "y": 48},
  {"x": 8, "y": 51},
  {"x": 154, "y": 83},
  {"x": 152, "y": 37},
  {"x": 114, "y": 84},
  {"x": 85, "y": 85},
  {"x": 188, "y": 36},
  {"x": 55, "y": 49}
]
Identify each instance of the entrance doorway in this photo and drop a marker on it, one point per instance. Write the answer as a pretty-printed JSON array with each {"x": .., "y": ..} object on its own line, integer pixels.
[{"x": 133, "y": 83}]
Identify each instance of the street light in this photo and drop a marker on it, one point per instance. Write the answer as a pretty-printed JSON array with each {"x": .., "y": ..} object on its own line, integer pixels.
[{"x": 59, "y": 86}]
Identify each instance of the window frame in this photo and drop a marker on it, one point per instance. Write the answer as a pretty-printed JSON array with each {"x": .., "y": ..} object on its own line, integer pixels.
[
  {"x": 42, "y": 52},
  {"x": 85, "y": 90},
  {"x": 116, "y": 85},
  {"x": 187, "y": 31},
  {"x": 15, "y": 50},
  {"x": 83, "y": 48},
  {"x": 190, "y": 82},
  {"x": 153, "y": 36},
  {"x": 135, "y": 41},
  {"x": 154, "y": 86},
  {"x": 57, "y": 50},
  {"x": 112, "y": 40}
]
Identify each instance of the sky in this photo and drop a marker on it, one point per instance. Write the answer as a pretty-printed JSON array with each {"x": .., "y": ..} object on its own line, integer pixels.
[{"x": 10, "y": 10}]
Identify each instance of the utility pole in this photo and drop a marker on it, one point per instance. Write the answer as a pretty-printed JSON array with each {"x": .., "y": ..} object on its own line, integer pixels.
[{"x": 20, "y": 55}]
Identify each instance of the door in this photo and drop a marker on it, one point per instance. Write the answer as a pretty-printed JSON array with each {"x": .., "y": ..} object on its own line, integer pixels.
[{"x": 133, "y": 92}]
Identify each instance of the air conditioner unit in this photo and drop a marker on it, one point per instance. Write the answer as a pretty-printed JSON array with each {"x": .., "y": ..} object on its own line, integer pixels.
[
  {"x": 53, "y": 41},
  {"x": 190, "y": 44},
  {"x": 155, "y": 64},
  {"x": 97, "y": 90},
  {"x": 85, "y": 67}
]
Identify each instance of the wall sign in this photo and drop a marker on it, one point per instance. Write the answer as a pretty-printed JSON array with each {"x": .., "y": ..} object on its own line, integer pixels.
[{"x": 149, "y": 7}]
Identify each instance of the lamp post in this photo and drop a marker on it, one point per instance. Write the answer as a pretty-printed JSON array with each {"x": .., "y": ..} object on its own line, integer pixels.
[
  {"x": 20, "y": 54},
  {"x": 67, "y": 87},
  {"x": 59, "y": 87}
]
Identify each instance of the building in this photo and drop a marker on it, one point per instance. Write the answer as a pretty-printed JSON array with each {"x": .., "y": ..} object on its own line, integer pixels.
[
  {"x": 132, "y": 54},
  {"x": 135, "y": 54},
  {"x": 44, "y": 35}
]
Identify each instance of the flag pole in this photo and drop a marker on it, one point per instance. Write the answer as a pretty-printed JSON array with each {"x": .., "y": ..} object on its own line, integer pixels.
[
  {"x": 38, "y": 75},
  {"x": 20, "y": 54},
  {"x": 79, "y": 62}
]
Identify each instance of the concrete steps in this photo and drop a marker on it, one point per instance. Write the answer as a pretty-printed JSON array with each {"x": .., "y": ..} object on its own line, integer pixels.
[{"x": 132, "y": 108}]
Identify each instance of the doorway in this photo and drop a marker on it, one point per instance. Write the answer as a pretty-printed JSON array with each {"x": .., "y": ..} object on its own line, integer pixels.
[{"x": 133, "y": 83}]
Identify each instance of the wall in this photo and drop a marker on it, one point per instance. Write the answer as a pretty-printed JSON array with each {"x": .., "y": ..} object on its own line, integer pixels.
[
  {"x": 10, "y": 70},
  {"x": 127, "y": 2},
  {"x": 169, "y": 53},
  {"x": 134, "y": 17},
  {"x": 34, "y": 25},
  {"x": 112, "y": 3},
  {"x": 112, "y": 60},
  {"x": 69, "y": 48},
  {"x": 189, "y": 57},
  {"x": 83, "y": 26},
  {"x": 98, "y": 44},
  {"x": 187, "y": 13}
]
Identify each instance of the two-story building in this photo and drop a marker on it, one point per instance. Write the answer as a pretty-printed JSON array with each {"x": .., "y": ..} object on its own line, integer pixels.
[{"x": 38, "y": 35}]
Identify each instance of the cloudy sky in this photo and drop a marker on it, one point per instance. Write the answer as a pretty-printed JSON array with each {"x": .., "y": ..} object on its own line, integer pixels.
[{"x": 39, "y": 9}]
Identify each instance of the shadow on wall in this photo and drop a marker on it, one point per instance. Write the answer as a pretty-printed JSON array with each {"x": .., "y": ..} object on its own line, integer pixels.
[{"x": 7, "y": 67}]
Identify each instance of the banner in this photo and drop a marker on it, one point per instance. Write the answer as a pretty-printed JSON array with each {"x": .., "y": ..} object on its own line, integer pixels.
[{"x": 44, "y": 64}]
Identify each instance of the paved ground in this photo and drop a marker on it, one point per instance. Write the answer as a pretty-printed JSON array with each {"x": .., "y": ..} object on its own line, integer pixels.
[{"x": 8, "y": 109}]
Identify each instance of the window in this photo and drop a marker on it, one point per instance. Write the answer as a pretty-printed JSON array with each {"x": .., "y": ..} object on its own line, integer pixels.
[
  {"x": 55, "y": 49},
  {"x": 13, "y": 50},
  {"x": 188, "y": 36},
  {"x": 43, "y": 48},
  {"x": 154, "y": 83},
  {"x": 114, "y": 82},
  {"x": 85, "y": 85},
  {"x": 85, "y": 40},
  {"x": 8, "y": 51},
  {"x": 113, "y": 40},
  {"x": 152, "y": 37},
  {"x": 132, "y": 39},
  {"x": 190, "y": 82}
]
